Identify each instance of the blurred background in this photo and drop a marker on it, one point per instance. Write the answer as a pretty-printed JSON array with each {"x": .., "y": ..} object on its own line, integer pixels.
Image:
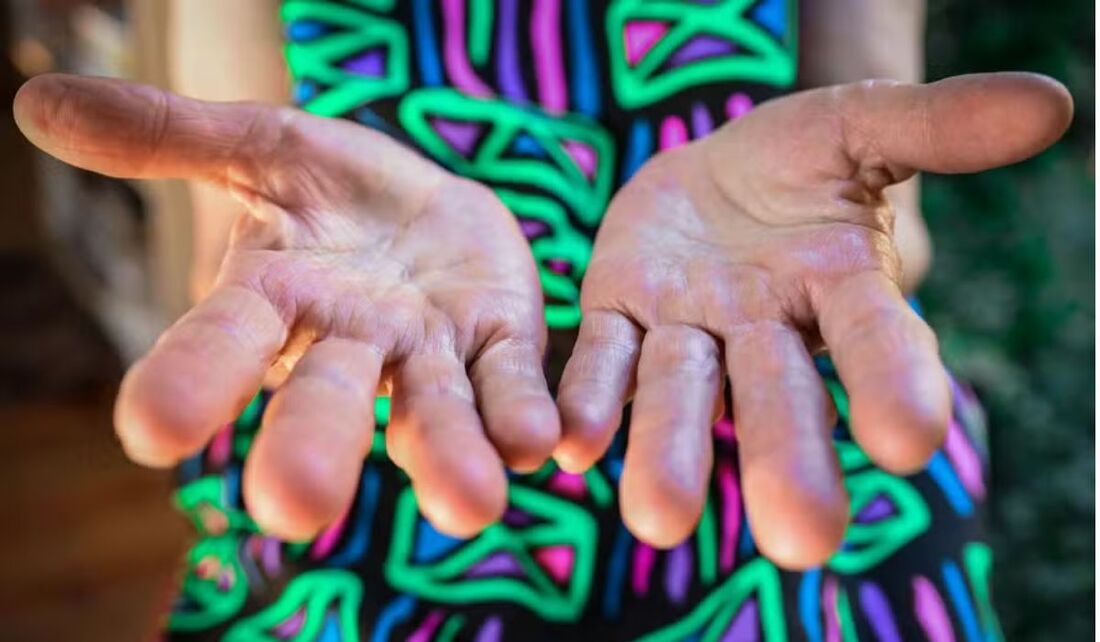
[{"x": 91, "y": 269}]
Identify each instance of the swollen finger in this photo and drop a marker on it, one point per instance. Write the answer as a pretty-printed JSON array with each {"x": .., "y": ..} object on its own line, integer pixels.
[
  {"x": 594, "y": 387},
  {"x": 519, "y": 414},
  {"x": 303, "y": 469},
  {"x": 888, "y": 360},
  {"x": 199, "y": 375},
  {"x": 436, "y": 434},
  {"x": 794, "y": 494},
  {"x": 669, "y": 450}
]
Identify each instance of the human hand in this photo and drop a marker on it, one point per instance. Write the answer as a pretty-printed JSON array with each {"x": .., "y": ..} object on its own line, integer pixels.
[
  {"x": 357, "y": 266},
  {"x": 760, "y": 245}
]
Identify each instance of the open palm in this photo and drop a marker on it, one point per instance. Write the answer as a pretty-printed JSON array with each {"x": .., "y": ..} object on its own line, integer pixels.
[
  {"x": 742, "y": 255},
  {"x": 357, "y": 266}
]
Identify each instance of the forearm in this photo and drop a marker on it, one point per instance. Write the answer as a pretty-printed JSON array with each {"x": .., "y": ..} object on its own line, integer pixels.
[
  {"x": 844, "y": 41},
  {"x": 223, "y": 51}
]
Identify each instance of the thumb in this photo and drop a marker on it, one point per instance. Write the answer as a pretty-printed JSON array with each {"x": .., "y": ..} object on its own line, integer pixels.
[
  {"x": 135, "y": 131},
  {"x": 958, "y": 125}
]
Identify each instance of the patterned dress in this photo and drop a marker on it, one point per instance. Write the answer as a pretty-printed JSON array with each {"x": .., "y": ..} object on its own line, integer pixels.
[{"x": 554, "y": 104}]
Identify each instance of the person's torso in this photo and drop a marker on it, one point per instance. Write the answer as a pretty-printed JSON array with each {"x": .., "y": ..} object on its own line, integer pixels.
[{"x": 552, "y": 103}]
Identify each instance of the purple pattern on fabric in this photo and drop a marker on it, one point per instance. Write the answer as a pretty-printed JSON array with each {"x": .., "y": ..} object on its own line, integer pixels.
[
  {"x": 532, "y": 229},
  {"x": 931, "y": 611},
  {"x": 878, "y": 508},
  {"x": 701, "y": 122},
  {"x": 491, "y": 631},
  {"x": 502, "y": 563},
  {"x": 371, "y": 63},
  {"x": 746, "y": 624},
  {"x": 678, "y": 573},
  {"x": 700, "y": 47},
  {"x": 291, "y": 626},
  {"x": 508, "y": 71},
  {"x": 461, "y": 136},
  {"x": 558, "y": 266},
  {"x": 516, "y": 517},
  {"x": 877, "y": 608}
]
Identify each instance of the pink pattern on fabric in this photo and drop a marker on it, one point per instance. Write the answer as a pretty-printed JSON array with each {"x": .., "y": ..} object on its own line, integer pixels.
[
  {"x": 426, "y": 630},
  {"x": 731, "y": 515},
  {"x": 644, "y": 558},
  {"x": 549, "y": 66},
  {"x": 557, "y": 560},
  {"x": 965, "y": 460},
  {"x": 737, "y": 105},
  {"x": 583, "y": 155},
  {"x": 673, "y": 132},
  {"x": 221, "y": 447},
  {"x": 454, "y": 51},
  {"x": 568, "y": 485},
  {"x": 723, "y": 429},
  {"x": 931, "y": 611},
  {"x": 640, "y": 36},
  {"x": 326, "y": 541},
  {"x": 829, "y": 600}
]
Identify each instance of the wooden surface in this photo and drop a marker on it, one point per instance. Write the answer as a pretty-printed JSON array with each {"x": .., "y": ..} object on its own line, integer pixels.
[{"x": 90, "y": 544}]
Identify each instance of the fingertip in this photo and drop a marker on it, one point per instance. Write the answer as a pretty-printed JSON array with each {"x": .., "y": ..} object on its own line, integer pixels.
[
  {"x": 295, "y": 497},
  {"x": 526, "y": 432},
  {"x": 796, "y": 525},
  {"x": 28, "y": 102},
  {"x": 800, "y": 551},
  {"x": 990, "y": 120},
  {"x": 660, "y": 524},
  {"x": 460, "y": 483},
  {"x": 466, "y": 507},
  {"x": 574, "y": 459},
  {"x": 902, "y": 427},
  {"x": 586, "y": 432},
  {"x": 1054, "y": 103},
  {"x": 659, "y": 509},
  {"x": 159, "y": 419}
]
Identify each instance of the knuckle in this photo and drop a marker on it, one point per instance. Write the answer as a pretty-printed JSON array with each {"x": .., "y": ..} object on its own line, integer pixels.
[
  {"x": 682, "y": 349},
  {"x": 877, "y": 328},
  {"x": 610, "y": 333}
]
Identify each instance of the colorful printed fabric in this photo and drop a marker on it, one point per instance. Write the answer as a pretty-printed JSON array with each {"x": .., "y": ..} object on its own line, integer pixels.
[{"x": 554, "y": 104}]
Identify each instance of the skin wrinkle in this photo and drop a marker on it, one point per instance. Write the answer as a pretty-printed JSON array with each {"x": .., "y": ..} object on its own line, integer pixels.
[
  {"x": 747, "y": 198},
  {"x": 683, "y": 350},
  {"x": 510, "y": 367},
  {"x": 236, "y": 331},
  {"x": 161, "y": 115},
  {"x": 433, "y": 380},
  {"x": 328, "y": 374},
  {"x": 870, "y": 322}
]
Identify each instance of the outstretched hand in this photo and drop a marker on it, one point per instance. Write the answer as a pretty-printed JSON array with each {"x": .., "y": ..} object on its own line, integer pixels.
[
  {"x": 356, "y": 265},
  {"x": 745, "y": 253}
]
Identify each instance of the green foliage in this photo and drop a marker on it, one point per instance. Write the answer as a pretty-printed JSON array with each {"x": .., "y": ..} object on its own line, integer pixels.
[{"x": 1011, "y": 296}]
